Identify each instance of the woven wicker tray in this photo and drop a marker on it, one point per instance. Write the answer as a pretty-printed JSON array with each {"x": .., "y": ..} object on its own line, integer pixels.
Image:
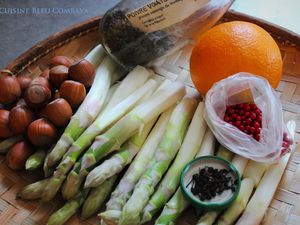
[{"x": 76, "y": 42}]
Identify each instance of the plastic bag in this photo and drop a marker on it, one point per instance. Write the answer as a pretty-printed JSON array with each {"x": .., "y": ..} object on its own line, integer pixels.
[
  {"x": 246, "y": 88},
  {"x": 138, "y": 32}
]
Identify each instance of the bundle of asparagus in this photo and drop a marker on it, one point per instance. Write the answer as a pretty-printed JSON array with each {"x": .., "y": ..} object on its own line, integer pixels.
[
  {"x": 178, "y": 203},
  {"x": 188, "y": 150},
  {"x": 96, "y": 196},
  {"x": 124, "y": 189},
  {"x": 102, "y": 122},
  {"x": 166, "y": 151}
]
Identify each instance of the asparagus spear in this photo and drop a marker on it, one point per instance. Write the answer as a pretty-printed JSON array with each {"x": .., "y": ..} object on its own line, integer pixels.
[
  {"x": 266, "y": 188},
  {"x": 178, "y": 203},
  {"x": 233, "y": 212},
  {"x": 167, "y": 149},
  {"x": 110, "y": 94},
  {"x": 74, "y": 180},
  {"x": 87, "y": 112},
  {"x": 96, "y": 55},
  {"x": 69, "y": 209},
  {"x": 36, "y": 160},
  {"x": 96, "y": 197},
  {"x": 225, "y": 153},
  {"x": 33, "y": 191},
  {"x": 119, "y": 160},
  {"x": 188, "y": 150},
  {"x": 255, "y": 170},
  {"x": 240, "y": 163},
  {"x": 132, "y": 81},
  {"x": 9, "y": 142},
  {"x": 208, "y": 144},
  {"x": 208, "y": 218},
  {"x": 102, "y": 122},
  {"x": 138, "y": 166}
]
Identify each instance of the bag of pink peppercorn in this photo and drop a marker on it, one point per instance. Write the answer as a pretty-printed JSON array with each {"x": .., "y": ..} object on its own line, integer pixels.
[{"x": 245, "y": 115}]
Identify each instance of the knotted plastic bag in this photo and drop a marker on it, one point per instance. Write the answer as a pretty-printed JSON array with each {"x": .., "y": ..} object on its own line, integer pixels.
[{"x": 246, "y": 88}]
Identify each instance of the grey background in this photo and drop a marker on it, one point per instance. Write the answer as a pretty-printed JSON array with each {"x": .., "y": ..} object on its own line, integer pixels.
[{"x": 18, "y": 32}]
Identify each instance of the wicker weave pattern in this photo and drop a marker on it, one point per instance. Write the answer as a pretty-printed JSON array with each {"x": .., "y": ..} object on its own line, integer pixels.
[{"x": 285, "y": 207}]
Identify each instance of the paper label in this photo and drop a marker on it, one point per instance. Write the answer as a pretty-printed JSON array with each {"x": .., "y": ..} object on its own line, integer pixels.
[{"x": 159, "y": 14}]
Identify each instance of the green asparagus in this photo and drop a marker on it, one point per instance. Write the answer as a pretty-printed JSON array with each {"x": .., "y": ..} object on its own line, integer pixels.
[
  {"x": 36, "y": 160},
  {"x": 33, "y": 191},
  {"x": 96, "y": 198},
  {"x": 188, "y": 150},
  {"x": 119, "y": 160},
  {"x": 102, "y": 122},
  {"x": 167, "y": 150},
  {"x": 69, "y": 209},
  {"x": 107, "y": 169},
  {"x": 123, "y": 191}
]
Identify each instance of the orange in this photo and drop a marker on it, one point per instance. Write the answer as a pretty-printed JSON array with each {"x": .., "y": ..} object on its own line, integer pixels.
[{"x": 234, "y": 47}]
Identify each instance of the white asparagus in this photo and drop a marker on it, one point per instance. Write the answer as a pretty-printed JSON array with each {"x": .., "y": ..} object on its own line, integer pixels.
[
  {"x": 240, "y": 163},
  {"x": 208, "y": 144},
  {"x": 255, "y": 171},
  {"x": 96, "y": 55},
  {"x": 236, "y": 209},
  {"x": 224, "y": 153},
  {"x": 266, "y": 188},
  {"x": 133, "y": 80},
  {"x": 110, "y": 93}
]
